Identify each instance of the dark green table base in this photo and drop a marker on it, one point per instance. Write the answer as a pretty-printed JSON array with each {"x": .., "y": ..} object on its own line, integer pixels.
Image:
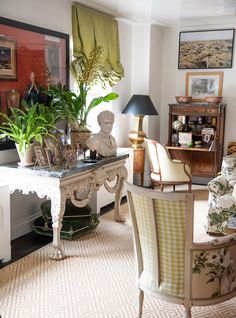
[{"x": 76, "y": 221}]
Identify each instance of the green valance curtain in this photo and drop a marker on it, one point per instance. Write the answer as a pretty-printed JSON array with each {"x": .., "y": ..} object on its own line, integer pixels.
[{"x": 92, "y": 29}]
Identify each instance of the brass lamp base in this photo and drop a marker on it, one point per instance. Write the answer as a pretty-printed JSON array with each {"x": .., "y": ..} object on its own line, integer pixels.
[{"x": 137, "y": 135}]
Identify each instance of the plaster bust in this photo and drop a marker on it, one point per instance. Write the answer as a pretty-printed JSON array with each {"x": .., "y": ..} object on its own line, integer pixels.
[{"x": 103, "y": 142}]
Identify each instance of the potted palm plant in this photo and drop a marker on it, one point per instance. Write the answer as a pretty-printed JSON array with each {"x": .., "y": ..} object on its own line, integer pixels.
[
  {"x": 26, "y": 125},
  {"x": 74, "y": 107}
]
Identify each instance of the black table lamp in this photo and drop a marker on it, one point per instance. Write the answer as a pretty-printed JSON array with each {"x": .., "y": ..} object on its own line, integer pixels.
[{"x": 139, "y": 106}]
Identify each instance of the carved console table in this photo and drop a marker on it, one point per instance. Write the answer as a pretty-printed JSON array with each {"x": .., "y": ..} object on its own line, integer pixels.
[{"x": 76, "y": 183}]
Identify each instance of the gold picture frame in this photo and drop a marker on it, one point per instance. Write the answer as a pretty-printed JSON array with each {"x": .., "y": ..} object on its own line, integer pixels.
[
  {"x": 7, "y": 58},
  {"x": 202, "y": 84}
]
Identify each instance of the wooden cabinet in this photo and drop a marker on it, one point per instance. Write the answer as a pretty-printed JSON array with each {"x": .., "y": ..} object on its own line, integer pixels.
[{"x": 204, "y": 160}]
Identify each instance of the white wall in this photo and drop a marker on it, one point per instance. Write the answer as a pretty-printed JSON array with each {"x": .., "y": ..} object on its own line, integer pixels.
[
  {"x": 121, "y": 126},
  {"x": 155, "y": 79},
  {"x": 51, "y": 14},
  {"x": 173, "y": 81}
]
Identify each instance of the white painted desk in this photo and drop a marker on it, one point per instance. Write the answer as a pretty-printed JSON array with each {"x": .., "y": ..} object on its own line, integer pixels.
[
  {"x": 5, "y": 242},
  {"x": 76, "y": 183}
]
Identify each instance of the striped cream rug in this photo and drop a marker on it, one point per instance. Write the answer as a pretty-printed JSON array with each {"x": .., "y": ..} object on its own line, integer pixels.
[{"x": 96, "y": 280}]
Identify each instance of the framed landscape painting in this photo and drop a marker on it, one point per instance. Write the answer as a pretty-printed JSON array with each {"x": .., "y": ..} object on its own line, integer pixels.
[
  {"x": 206, "y": 49},
  {"x": 202, "y": 84}
]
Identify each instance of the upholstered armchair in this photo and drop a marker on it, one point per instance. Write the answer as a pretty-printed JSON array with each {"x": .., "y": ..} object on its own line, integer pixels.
[
  {"x": 222, "y": 201},
  {"x": 170, "y": 266},
  {"x": 164, "y": 170}
]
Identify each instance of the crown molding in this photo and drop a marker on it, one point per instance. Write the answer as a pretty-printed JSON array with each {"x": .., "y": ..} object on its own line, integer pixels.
[{"x": 211, "y": 21}]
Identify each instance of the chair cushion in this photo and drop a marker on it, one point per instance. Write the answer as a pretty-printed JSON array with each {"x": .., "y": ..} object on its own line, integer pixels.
[
  {"x": 155, "y": 177},
  {"x": 153, "y": 156},
  {"x": 171, "y": 240}
]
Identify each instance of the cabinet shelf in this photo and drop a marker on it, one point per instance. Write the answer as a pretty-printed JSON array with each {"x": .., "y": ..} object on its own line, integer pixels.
[
  {"x": 203, "y": 149},
  {"x": 204, "y": 161}
]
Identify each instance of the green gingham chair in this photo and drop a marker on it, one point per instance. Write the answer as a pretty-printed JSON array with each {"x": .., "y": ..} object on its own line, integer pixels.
[{"x": 170, "y": 265}]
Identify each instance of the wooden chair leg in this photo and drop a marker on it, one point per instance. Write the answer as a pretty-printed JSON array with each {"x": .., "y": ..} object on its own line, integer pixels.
[
  {"x": 188, "y": 313},
  {"x": 189, "y": 187},
  {"x": 162, "y": 186},
  {"x": 140, "y": 303},
  {"x": 174, "y": 187}
]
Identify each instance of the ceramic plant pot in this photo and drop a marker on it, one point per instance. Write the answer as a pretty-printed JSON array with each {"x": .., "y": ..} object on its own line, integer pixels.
[{"x": 26, "y": 155}]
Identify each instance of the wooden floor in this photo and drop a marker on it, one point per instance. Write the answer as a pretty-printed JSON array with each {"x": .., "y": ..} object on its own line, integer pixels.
[
  {"x": 25, "y": 245},
  {"x": 31, "y": 242}
]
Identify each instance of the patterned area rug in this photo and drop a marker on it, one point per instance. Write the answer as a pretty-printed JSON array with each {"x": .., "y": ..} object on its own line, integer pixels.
[{"x": 96, "y": 280}]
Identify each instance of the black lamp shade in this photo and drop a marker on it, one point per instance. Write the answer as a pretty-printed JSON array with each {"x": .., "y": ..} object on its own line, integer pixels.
[{"x": 140, "y": 105}]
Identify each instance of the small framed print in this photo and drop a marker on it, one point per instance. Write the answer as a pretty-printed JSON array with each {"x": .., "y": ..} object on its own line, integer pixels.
[
  {"x": 202, "y": 84},
  {"x": 70, "y": 156},
  {"x": 7, "y": 58},
  {"x": 53, "y": 59},
  {"x": 54, "y": 149},
  {"x": 185, "y": 138},
  {"x": 40, "y": 155},
  {"x": 207, "y": 138},
  {"x": 174, "y": 138}
]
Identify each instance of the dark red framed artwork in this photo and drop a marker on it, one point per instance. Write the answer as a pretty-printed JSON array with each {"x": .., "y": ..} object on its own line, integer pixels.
[{"x": 27, "y": 49}]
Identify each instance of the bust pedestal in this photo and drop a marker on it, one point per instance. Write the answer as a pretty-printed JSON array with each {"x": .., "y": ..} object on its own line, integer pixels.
[{"x": 139, "y": 158}]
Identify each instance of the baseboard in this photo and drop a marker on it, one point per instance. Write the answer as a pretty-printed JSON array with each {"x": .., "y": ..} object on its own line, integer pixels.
[
  {"x": 200, "y": 180},
  {"x": 24, "y": 227}
]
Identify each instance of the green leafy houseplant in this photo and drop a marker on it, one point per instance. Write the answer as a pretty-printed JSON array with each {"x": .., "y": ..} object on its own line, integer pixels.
[
  {"x": 75, "y": 107},
  {"x": 28, "y": 124}
]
